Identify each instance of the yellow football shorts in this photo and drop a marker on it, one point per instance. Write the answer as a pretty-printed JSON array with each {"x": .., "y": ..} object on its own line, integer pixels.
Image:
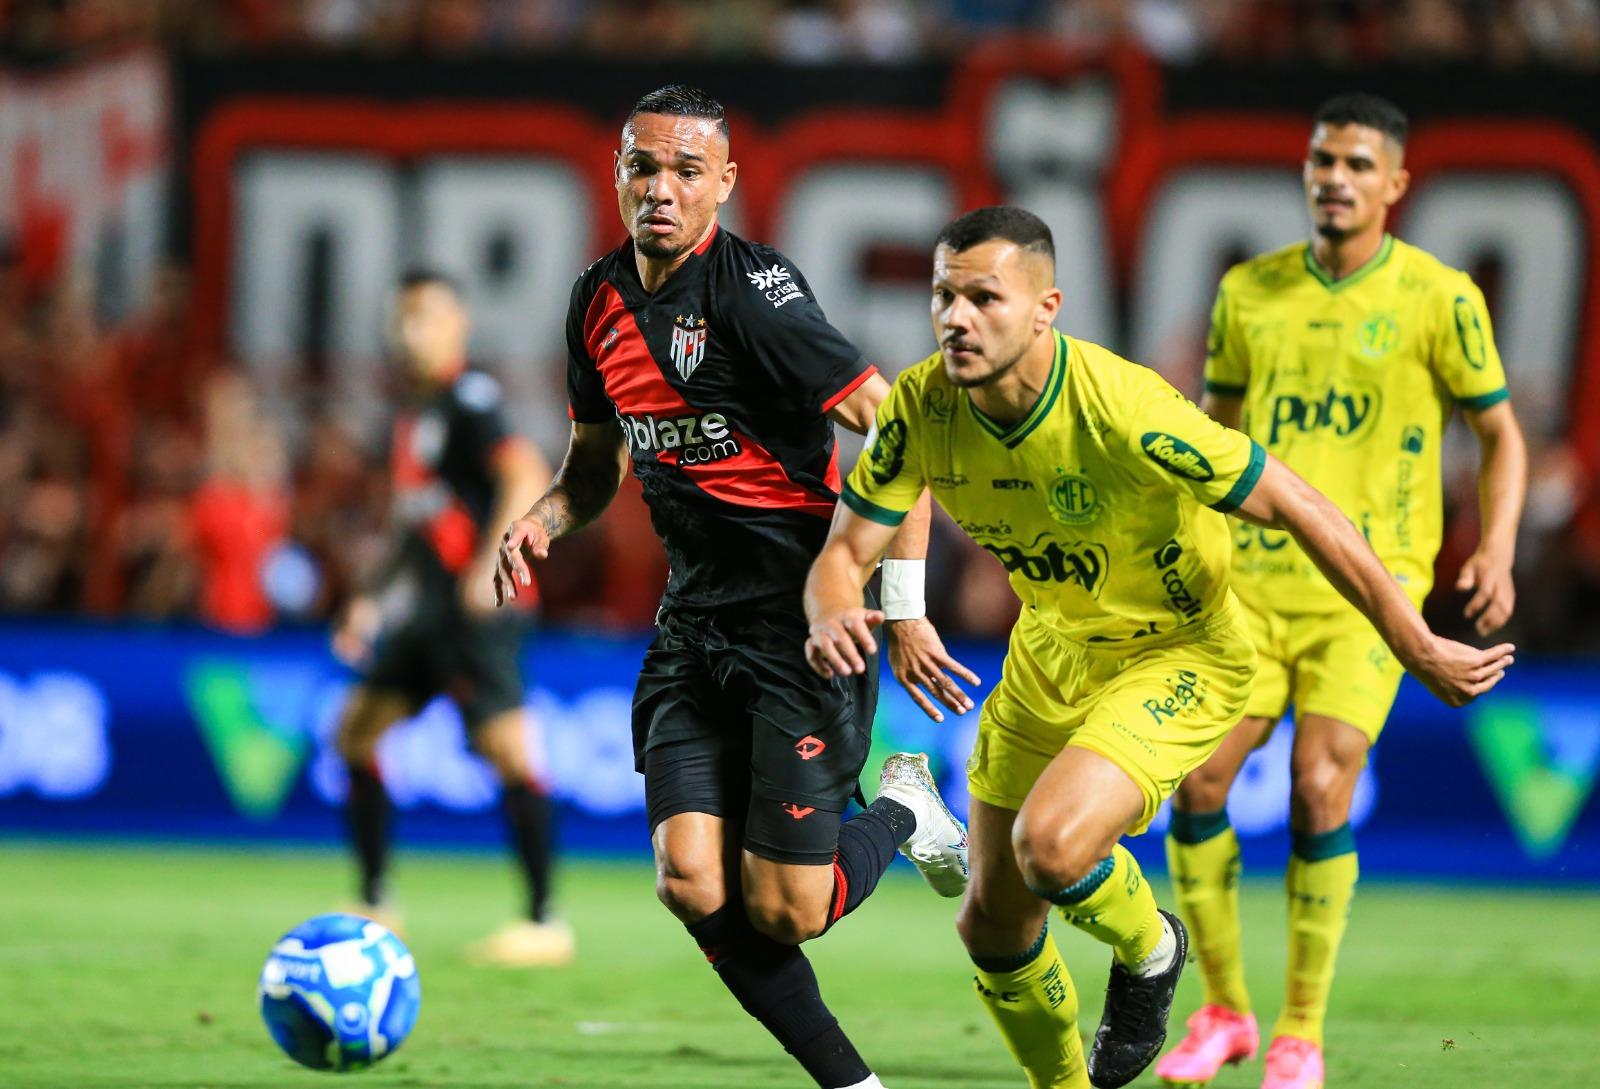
[
  {"x": 1330, "y": 663},
  {"x": 1157, "y": 709}
]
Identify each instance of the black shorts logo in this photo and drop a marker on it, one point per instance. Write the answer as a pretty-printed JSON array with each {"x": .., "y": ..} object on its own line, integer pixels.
[{"x": 809, "y": 747}]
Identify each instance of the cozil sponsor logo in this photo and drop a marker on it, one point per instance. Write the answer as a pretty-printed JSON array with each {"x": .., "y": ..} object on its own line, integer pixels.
[
  {"x": 702, "y": 438},
  {"x": 1176, "y": 456},
  {"x": 1077, "y": 562},
  {"x": 1344, "y": 412},
  {"x": 1179, "y": 599}
]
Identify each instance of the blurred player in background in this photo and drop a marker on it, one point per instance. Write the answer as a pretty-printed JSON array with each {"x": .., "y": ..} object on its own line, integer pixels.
[
  {"x": 427, "y": 624},
  {"x": 1098, "y": 487},
  {"x": 1344, "y": 356},
  {"x": 708, "y": 360}
]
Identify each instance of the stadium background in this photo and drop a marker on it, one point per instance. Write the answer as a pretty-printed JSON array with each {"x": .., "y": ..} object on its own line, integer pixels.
[{"x": 202, "y": 207}]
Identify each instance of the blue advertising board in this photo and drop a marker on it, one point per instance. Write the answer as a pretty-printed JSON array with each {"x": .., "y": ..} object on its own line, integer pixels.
[{"x": 182, "y": 732}]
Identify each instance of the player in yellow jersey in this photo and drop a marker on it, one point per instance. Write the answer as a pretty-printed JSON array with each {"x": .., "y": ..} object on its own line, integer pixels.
[
  {"x": 1100, "y": 489},
  {"x": 1344, "y": 357}
]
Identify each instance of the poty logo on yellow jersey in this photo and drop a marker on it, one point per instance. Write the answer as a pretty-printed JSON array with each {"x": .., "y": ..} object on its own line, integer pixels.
[
  {"x": 1342, "y": 411},
  {"x": 1176, "y": 456}
]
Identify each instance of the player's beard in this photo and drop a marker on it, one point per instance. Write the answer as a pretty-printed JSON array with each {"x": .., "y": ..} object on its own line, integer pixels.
[
  {"x": 1333, "y": 232},
  {"x": 655, "y": 246},
  {"x": 995, "y": 373}
]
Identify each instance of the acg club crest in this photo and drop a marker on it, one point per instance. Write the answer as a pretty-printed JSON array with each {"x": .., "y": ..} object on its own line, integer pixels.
[{"x": 688, "y": 343}]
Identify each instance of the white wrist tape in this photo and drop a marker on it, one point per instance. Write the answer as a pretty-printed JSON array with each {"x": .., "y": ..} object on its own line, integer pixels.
[{"x": 903, "y": 588}]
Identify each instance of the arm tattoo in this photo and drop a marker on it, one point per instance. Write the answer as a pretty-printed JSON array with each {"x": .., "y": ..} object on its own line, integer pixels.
[{"x": 579, "y": 493}]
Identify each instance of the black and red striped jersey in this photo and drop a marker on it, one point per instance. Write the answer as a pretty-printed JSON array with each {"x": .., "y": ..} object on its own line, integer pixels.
[
  {"x": 721, "y": 380},
  {"x": 442, "y": 463}
]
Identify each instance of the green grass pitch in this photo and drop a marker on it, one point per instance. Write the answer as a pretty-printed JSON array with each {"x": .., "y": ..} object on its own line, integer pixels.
[{"x": 133, "y": 967}]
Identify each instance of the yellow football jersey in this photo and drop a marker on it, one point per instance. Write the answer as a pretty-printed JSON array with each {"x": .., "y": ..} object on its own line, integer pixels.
[
  {"x": 1351, "y": 382},
  {"x": 1096, "y": 503}
]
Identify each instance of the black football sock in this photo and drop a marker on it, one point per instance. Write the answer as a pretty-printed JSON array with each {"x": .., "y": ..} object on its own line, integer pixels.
[
  {"x": 366, "y": 811},
  {"x": 775, "y": 985},
  {"x": 867, "y": 844},
  {"x": 529, "y": 819}
]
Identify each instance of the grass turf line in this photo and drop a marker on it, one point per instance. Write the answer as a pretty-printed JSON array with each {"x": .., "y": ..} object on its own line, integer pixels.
[{"x": 134, "y": 967}]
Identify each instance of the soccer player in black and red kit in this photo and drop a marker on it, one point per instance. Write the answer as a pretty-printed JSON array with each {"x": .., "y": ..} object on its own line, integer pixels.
[
  {"x": 706, "y": 359},
  {"x": 425, "y": 624}
]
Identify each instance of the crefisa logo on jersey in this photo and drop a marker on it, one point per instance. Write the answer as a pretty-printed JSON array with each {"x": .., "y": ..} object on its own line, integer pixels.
[{"x": 688, "y": 343}]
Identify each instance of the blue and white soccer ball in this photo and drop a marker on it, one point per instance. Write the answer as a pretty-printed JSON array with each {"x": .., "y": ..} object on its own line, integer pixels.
[{"x": 339, "y": 992}]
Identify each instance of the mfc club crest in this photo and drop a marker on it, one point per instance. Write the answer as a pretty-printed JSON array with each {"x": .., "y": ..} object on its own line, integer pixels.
[{"x": 688, "y": 343}]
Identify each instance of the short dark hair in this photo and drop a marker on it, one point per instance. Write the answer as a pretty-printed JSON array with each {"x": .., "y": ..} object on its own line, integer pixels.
[
  {"x": 1360, "y": 108},
  {"x": 1002, "y": 222},
  {"x": 681, "y": 100},
  {"x": 423, "y": 276}
]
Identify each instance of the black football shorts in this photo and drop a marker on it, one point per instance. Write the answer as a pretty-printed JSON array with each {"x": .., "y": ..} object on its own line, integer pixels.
[
  {"x": 440, "y": 649},
  {"x": 728, "y": 719}
]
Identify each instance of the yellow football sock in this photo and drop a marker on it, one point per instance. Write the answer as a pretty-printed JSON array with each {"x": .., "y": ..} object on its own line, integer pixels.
[
  {"x": 1032, "y": 1000},
  {"x": 1114, "y": 904},
  {"x": 1321, "y": 882},
  {"x": 1203, "y": 856}
]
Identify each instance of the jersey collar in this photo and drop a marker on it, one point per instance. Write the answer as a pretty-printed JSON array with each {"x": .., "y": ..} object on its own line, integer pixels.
[
  {"x": 1012, "y": 436},
  {"x": 1326, "y": 279}
]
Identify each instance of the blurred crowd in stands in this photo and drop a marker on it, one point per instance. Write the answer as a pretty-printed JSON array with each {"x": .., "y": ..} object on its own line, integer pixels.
[
  {"x": 140, "y": 478},
  {"x": 1501, "y": 32}
]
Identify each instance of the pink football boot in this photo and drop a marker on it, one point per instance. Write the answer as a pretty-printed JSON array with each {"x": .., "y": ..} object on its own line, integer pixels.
[
  {"x": 1217, "y": 1036},
  {"x": 1293, "y": 1063}
]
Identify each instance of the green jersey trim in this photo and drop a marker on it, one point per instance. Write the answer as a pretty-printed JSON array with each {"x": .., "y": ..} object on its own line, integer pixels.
[
  {"x": 1323, "y": 277},
  {"x": 870, "y": 510},
  {"x": 1484, "y": 400},
  {"x": 1246, "y": 483},
  {"x": 1053, "y": 384},
  {"x": 1227, "y": 389}
]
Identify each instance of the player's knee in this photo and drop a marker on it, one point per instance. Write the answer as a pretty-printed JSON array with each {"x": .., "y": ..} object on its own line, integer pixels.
[
  {"x": 783, "y": 920},
  {"x": 357, "y": 745},
  {"x": 982, "y": 927},
  {"x": 1322, "y": 789},
  {"x": 1203, "y": 790},
  {"x": 1054, "y": 854},
  {"x": 690, "y": 897}
]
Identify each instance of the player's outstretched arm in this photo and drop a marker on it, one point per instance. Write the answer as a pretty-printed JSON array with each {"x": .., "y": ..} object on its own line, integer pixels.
[
  {"x": 1502, "y": 481},
  {"x": 1454, "y": 672},
  {"x": 583, "y": 487},
  {"x": 841, "y": 625}
]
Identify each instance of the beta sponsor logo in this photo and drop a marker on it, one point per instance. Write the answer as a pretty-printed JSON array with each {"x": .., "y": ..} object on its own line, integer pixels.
[
  {"x": 1011, "y": 484},
  {"x": 1047, "y": 560},
  {"x": 701, "y": 438},
  {"x": 775, "y": 284},
  {"x": 1176, "y": 456},
  {"x": 1345, "y": 412},
  {"x": 1179, "y": 598}
]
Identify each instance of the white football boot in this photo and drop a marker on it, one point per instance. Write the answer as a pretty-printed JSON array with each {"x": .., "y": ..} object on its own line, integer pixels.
[{"x": 939, "y": 845}]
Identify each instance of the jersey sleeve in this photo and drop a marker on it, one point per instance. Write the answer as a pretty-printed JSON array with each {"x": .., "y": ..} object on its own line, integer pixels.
[
  {"x": 587, "y": 402},
  {"x": 1166, "y": 436},
  {"x": 887, "y": 480},
  {"x": 1227, "y": 366},
  {"x": 780, "y": 326},
  {"x": 1464, "y": 356},
  {"x": 480, "y": 415}
]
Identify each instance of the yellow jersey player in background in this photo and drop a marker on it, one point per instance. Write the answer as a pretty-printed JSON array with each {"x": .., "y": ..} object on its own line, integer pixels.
[
  {"x": 1343, "y": 356},
  {"x": 1101, "y": 490}
]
